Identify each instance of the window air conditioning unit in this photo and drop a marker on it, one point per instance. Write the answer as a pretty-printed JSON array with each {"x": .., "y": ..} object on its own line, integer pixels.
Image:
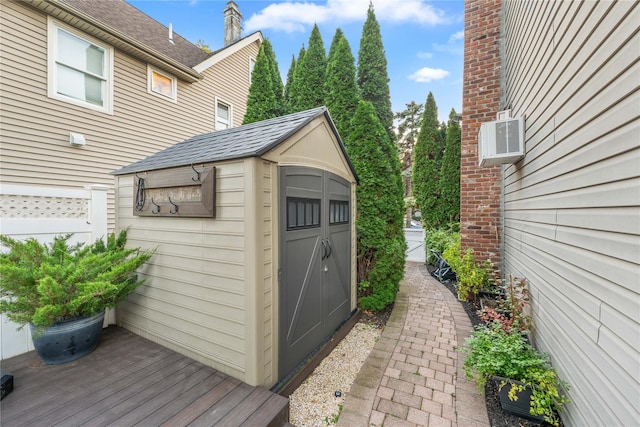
[{"x": 501, "y": 141}]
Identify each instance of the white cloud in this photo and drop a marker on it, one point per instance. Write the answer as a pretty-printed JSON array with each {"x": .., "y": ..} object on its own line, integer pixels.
[
  {"x": 455, "y": 44},
  {"x": 426, "y": 74},
  {"x": 297, "y": 16},
  {"x": 424, "y": 55},
  {"x": 457, "y": 36}
]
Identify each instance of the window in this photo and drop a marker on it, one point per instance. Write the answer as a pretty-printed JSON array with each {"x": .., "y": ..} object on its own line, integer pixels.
[
  {"x": 252, "y": 65},
  {"x": 159, "y": 83},
  {"x": 302, "y": 213},
  {"x": 338, "y": 212},
  {"x": 80, "y": 68},
  {"x": 223, "y": 115}
]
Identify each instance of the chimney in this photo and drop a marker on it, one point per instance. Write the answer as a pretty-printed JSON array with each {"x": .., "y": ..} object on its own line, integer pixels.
[{"x": 232, "y": 23}]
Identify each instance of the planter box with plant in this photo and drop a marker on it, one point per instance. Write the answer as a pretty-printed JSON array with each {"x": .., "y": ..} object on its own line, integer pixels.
[
  {"x": 493, "y": 352},
  {"x": 50, "y": 285}
]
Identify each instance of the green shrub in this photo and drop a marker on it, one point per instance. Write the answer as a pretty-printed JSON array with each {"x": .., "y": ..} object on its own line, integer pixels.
[
  {"x": 470, "y": 275},
  {"x": 491, "y": 351},
  {"x": 438, "y": 240},
  {"x": 45, "y": 283},
  {"x": 381, "y": 244}
]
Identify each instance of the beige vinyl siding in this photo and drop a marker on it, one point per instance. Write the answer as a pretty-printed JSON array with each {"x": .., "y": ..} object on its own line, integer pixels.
[
  {"x": 572, "y": 206},
  {"x": 195, "y": 295},
  {"x": 35, "y": 129},
  {"x": 269, "y": 215}
]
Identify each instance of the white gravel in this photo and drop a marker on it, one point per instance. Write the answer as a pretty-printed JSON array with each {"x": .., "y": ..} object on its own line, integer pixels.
[{"x": 314, "y": 403}]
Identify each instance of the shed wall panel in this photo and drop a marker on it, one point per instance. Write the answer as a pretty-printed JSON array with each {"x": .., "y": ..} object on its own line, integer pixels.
[
  {"x": 194, "y": 299},
  {"x": 572, "y": 205}
]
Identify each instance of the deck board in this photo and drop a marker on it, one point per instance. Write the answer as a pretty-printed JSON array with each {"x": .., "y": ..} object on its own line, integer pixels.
[{"x": 128, "y": 381}]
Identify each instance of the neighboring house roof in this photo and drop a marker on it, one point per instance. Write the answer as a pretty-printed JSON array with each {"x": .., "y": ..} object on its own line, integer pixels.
[
  {"x": 122, "y": 25},
  {"x": 251, "y": 140},
  {"x": 121, "y": 16}
]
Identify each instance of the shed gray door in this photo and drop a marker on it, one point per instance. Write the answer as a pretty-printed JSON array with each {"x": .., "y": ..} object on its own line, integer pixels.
[{"x": 315, "y": 262}]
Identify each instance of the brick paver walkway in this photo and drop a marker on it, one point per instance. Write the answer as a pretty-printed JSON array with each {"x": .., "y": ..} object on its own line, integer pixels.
[{"x": 414, "y": 376}]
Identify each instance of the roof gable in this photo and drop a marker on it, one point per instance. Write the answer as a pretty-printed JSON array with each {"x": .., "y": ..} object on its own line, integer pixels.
[{"x": 252, "y": 140}]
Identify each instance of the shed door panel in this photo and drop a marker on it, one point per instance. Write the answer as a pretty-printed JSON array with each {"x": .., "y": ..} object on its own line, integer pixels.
[
  {"x": 338, "y": 261},
  {"x": 315, "y": 275}
]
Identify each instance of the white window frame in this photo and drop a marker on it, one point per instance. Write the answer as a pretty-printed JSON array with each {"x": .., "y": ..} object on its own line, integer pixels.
[
  {"x": 53, "y": 26},
  {"x": 174, "y": 84},
  {"x": 219, "y": 101},
  {"x": 252, "y": 65}
]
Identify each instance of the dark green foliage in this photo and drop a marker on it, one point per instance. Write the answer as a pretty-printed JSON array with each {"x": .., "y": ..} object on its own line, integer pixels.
[
  {"x": 308, "y": 89},
  {"x": 341, "y": 91},
  {"x": 408, "y": 128},
  {"x": 491, "y": 351},
  {"x": 295, "y": 81},
  {"x": 440, "y": 239},
  {"x": 381, "y": 246},
  {"x": 261, "y": 103},
  {"x": 372, "y": 78},
  {"x": 43, "y": 284},
  {"x": 339, "y": 35},
  {"x": 426, "y": 167},
  {"x": 276, "y": 79},
  {"x": 450, "y": 171},
  {"x": 288, "y": 84}
]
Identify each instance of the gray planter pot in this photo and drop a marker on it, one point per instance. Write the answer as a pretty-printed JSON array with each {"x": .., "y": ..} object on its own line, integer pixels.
[
  {"x": 520, "y": 407},
  {"x": 68, "y": 340}
]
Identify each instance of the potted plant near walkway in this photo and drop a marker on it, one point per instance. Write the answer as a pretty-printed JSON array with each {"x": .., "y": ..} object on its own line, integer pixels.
[
  {"x": 62, "y": 290},
  {"x": 529, "y": 386}
]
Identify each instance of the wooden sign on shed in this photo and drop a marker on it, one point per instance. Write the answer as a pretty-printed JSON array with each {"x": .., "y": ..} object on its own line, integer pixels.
[{"x": 176, "y": 193}]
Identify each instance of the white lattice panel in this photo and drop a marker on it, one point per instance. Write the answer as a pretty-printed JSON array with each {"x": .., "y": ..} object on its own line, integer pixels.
[{"x": 20, "y": 206}]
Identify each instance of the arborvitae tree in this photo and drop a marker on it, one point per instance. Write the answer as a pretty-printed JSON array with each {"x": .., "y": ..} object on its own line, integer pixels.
[
  {"x": 341, "y": 90},
  {"x": 408, "y": 129},
  {"x": 339, "y": 35},
  {"x": 373, "y": 79},
  {"x": 426, "y": 167},
  {"x": 308, "y": 88},
  {"x": 261, "y": 103},
  {"x": 450, "y": 171},
  {"x": 380, "y": 242},
  {"x": 276, "y": 79},
  {"x": 287, "y": 86},
  {"x": 295, "y": 80}
]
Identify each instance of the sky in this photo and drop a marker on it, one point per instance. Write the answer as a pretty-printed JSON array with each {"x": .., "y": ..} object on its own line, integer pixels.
[{"x": 423, "y": 40}]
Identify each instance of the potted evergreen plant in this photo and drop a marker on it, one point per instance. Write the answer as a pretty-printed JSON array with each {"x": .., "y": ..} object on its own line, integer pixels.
[
  {"x": 62, "y": 290},
  {"x": 529, "y": 386}
]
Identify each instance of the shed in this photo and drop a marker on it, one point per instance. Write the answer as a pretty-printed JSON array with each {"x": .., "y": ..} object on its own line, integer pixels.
[{"x": 255, "y": 236}]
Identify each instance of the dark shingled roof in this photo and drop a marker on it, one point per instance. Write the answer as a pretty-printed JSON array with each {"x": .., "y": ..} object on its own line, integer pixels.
[
  {"x": 252, "y": 140},
  {"x": 134, "y": 23}
]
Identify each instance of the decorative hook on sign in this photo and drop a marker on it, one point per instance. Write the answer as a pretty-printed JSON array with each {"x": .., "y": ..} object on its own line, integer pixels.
[
  {"x": 175, "y": 211},
  {"x": 140, "y": 195},
  {"x": 157, "y": 207},
  {"x": 197, "y": 177}
]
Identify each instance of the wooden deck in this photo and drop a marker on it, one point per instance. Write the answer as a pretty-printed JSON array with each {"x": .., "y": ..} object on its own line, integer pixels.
[{"x": 131, "y": 381}]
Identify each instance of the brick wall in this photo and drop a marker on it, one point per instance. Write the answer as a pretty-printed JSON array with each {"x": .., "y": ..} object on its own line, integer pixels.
[{"x": 480, "y": 223}]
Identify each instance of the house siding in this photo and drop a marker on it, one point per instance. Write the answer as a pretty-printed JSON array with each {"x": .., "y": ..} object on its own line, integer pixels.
[
  {"x": 35, "y": 128},
  {"x": 572, "y": 205}
]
